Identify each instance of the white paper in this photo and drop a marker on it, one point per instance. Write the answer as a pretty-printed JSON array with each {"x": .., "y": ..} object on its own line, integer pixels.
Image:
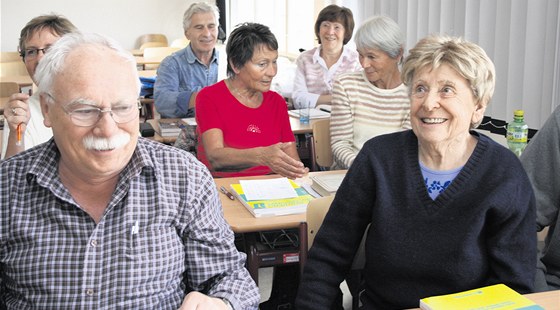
[{"x": 277, "y": 188}]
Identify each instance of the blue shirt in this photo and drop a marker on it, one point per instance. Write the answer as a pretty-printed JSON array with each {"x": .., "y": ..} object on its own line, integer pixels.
[
  {"x": 178, "y": 76},
  {"x": 162, "y": 235}
]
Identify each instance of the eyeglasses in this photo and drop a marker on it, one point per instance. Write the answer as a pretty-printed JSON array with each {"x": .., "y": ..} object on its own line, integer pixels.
[
  {"x": 84, "y": 115},
  {"x": 32, "y": 53}
]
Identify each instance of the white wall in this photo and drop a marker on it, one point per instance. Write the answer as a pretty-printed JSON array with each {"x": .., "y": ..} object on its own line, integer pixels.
[{"x": 123, "y": 20}]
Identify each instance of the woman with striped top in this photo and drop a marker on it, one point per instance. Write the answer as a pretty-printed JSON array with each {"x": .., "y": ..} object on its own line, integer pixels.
[{"x": 372, "y": 101}]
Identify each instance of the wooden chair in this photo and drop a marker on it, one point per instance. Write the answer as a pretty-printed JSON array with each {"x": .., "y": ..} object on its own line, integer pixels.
[
  {"x": 321, "y": 152},
  {"x": 8, "y": 88},
  {"x": 316, "y": 211},
  {"x": 13, "y": 68},
  {"x": 152, "y": 37},
  {"x": 10, "y": 56},
  {"x": 180, "y": 43},
  {"x": 158, "y": 54}
]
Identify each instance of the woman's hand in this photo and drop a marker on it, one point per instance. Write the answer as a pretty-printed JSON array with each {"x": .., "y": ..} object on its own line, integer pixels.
[
  {"x": 17, "y": 111},
  {"x": 196, "y": 300},
  {"x": 277, "y": 159}
]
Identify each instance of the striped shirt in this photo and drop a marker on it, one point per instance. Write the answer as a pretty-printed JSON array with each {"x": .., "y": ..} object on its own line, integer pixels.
[
  {"x": 313, "y": 78},
  {"x": 162, "y": 235},
  {"x": 361, "y": 111}
]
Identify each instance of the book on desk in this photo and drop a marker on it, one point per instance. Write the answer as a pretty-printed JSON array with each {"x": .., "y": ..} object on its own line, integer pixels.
[
  {"x": 170, "y": 127},
  {"x": 495, "y": 297},
  {"x": 274, "y": 207},
  {"x": 313, "y": 113},
  {"x": 327, "y": 184}
]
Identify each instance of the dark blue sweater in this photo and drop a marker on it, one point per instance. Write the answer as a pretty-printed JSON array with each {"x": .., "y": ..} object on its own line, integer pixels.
[{"x": 479, "y": 231}]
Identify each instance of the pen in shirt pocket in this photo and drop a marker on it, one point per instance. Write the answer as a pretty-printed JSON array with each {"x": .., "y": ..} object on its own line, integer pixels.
[{"x": 133, "y": 233}]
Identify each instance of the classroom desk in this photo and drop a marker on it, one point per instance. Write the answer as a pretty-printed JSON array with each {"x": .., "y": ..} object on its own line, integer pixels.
[
  {"x": 548, "y": 300},
  {"x": 297, "y": 128},
  {"x": 3, "y": 102},
  {"x": 147, "y": 73},
  {"x": 157, "y": 137},
  {"x": 242, "y": 221},
  {"x": 21, "y": 80},
  {"x": 141, "y": 62}
]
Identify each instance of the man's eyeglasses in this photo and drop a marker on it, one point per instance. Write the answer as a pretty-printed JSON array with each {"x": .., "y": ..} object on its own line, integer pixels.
[
  {"x": 85, "y": 115},
  {"x": 32, "y": 53}
]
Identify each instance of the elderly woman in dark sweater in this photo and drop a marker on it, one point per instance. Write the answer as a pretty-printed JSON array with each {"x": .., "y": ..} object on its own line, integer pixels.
[{"x": 452, "y": 211}]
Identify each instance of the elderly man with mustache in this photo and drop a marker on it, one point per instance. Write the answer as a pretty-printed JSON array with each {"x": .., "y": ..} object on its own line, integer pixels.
[{"x": 98, "y": 218}]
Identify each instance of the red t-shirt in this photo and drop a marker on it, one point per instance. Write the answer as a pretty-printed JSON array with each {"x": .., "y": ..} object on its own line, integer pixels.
[{"x": 242, "y": 127}]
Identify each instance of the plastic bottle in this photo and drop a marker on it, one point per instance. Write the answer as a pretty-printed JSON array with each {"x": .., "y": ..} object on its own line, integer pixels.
[{"x": 517, "y": 133}]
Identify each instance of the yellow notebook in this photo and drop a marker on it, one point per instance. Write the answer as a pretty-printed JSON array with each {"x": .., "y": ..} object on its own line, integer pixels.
[
  {"x": 495, "y": 297},
  {"x": 274, "y": 207}
]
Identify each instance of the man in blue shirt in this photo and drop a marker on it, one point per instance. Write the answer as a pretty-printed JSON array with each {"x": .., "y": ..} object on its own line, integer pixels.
[{"x": 181, "y": 75}]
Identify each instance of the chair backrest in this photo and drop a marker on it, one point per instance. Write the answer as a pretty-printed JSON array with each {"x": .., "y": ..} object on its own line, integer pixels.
[
  {"x": 151, "y": 37},
  {"x": 316, "y": 211},
  {"x": 152, "y": 44},
  {"x": 13, "y": 68},
  {"x": 10, "y": 56},
  {"x": 180, "y": 43},
  {"x": 8, "y": 88},
  {"x": 321, "y": 150},
  {"x": 158, "y": 53}
]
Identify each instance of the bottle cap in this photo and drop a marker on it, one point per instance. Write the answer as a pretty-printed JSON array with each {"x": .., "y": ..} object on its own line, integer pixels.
[{"x": 518, "y": 113}]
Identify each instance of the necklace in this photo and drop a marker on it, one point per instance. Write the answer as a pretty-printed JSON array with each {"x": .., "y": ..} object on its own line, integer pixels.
[{"x": 250, "y": 101}]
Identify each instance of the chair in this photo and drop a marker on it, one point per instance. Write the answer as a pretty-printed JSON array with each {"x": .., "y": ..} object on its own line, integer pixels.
[
  {"x": 152, "y": 37},
  {"x": 321, "y": 152},
  {"x": 180, "y": 43},
  {"x": 8, "y": 88},
  {"x": 10, "y": 56},
  {"x": 152, "y": 44},
  {"x": 13, "y": 68},
  {"x": 316, "y": 211},
  {"x": 157, "y": 54}
]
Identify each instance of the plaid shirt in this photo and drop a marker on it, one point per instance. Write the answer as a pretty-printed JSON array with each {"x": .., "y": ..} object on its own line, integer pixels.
[{"x": 162, "y": 235}]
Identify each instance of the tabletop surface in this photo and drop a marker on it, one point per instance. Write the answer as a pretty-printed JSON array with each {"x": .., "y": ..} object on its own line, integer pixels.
[{"x": 241, "y": 220}]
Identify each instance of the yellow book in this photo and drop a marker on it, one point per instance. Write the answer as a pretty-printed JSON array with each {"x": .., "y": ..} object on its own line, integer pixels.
[
  {"x": 273, "y": 207},
  {"x": 492, "y": 297}
]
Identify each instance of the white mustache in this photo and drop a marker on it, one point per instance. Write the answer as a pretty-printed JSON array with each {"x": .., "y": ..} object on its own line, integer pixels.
[{"x": 104, "y": 144}]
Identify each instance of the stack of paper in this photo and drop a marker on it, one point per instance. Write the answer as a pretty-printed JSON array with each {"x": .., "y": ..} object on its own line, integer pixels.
[
  {"x": 327, "y": 184},
  {"x": 270, "y": 197},
  {"x": 313, "y": 113},
  {"x": 169, "y": 128}
]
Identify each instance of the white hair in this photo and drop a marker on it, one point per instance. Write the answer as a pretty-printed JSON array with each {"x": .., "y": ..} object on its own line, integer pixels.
[{"x": 54, "y": 61}]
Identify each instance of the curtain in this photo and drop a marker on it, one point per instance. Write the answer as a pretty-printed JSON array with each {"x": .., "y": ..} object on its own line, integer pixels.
[{"x": 522, "y": 37}]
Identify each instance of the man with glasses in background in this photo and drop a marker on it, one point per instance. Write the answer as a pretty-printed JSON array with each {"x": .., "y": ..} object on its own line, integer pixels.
[
  {"x": 23, "y": 110},
  {"x": 99, "y": 218}
]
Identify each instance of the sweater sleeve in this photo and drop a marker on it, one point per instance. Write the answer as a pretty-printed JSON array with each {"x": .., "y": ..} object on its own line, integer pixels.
[
  {"x": 541, "y": 160},
  {"x": 341, "y": 128},
  {"x": 335, "y": 245}
]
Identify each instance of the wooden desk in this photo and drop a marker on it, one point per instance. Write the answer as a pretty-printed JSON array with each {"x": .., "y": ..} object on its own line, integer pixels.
[
  {"x": 22, "y": 80},
  {"x": 242, "y": 221},
  {"x": 141, "y": 62},
  {"x": 548, "y": 300},
  {"x": 297, "y": 128},
  {"x": 157, "y": 137},
  {"x": 147, "y": 73},
  {"x": 3, "y": 102}
]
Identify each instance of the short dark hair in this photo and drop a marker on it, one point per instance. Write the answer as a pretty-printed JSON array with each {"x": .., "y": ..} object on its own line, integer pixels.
[
  {"x": 339, "y": 14},
  {"x": 58, "y": 24},
  {"x": 243, "y": 41}
]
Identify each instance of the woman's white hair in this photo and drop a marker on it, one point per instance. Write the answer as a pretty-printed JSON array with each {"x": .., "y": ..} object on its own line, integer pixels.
[{"x": 383, "y": 33}]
